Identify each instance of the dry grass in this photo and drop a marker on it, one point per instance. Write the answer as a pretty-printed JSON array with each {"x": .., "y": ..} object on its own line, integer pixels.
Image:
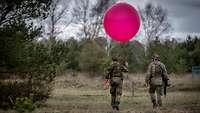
[
  {"x": 82, "y": 94},
  {"x": 183, "y": 82}
]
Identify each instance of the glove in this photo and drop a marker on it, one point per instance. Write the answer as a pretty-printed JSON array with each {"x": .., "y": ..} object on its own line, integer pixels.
[
  {"x": 106, "y": 84},
  {"x": 168, "y": 83}
]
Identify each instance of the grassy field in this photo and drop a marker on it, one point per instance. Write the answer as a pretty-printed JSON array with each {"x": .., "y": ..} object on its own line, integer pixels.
[{"x": 82, "y": 94}]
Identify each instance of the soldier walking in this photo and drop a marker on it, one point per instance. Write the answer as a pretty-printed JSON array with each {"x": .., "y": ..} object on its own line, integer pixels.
[
  {"x": 114, "y": 75},
  {"x": 154, "y": 79}
]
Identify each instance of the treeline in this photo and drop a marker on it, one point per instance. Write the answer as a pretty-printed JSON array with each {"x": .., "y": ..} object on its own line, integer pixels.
[
  {"x": 179, "y": 57},
  {"x": 93, "y": 55}
]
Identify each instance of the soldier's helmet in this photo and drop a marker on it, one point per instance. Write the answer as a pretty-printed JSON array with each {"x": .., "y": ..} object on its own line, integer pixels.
[
  {"x": 156, "y": 57},
  {"x": 115, "y": 58}
]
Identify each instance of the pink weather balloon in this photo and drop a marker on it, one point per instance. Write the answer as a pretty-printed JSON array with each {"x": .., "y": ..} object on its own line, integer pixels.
[{"x": 121, "y": 22}]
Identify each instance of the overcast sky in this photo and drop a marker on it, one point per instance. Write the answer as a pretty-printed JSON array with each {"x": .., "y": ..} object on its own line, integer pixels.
[{"x": 184, "y": 16}]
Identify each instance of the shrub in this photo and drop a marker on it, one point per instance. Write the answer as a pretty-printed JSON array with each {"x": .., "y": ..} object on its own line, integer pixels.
[
  {"x": 92, "y": 57},
  {"x": 24, "y": 104},
  {"x": 38, "y": 89}
]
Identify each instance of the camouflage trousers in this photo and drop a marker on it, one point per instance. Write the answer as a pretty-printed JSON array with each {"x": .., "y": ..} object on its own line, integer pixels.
[
  {"x": 116, "y": 92},
  {"x": 155, "y": 92}
]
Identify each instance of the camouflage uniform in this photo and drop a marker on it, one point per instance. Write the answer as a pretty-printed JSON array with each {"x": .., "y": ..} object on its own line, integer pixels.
[
  {"x": 156, "y": 72},
  {"x": 115, "y": 74}
]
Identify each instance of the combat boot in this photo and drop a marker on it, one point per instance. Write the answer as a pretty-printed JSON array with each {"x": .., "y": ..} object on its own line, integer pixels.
[
  {"x": 154, "y": 104},
  {"x": 160, "y": 103},
  {"x": 117, "y": 106}
]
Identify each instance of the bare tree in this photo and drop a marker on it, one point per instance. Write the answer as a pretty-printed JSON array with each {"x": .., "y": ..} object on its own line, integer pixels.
[
  {"x": 81, "y": 12},
  {"x": 57, "y": 11},
  {"x": 98, "y": 12},
  {"x": 154, "y": 20},
  {"x": 89, "y": 15},
  {"x": 10, "y": 10}
]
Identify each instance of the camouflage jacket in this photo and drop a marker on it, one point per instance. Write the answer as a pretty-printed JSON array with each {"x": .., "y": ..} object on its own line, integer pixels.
[
  {"x": 155, "y": 73},
  {"x": 115, "y": 70}
]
